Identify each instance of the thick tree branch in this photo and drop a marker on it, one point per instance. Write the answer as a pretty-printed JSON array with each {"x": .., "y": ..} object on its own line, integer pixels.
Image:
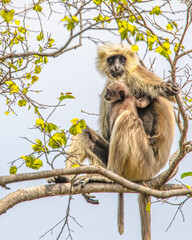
[
  {"x": 33, "y": 193},
  {"x": 46, "y": 174},
  {"x": 81, "y": 170}
]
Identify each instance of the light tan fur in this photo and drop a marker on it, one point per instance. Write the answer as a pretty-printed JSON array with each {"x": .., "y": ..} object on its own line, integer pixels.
[
  {"x": 80, "y": 149},
  {"x": 136, "y": 77},
  {"x": 145, "y": 216},
  {"x": 130, "y": 154},
  {"x": 120, "y": 99}
]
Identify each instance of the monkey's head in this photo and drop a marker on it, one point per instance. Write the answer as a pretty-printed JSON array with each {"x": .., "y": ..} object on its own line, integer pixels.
[
  {"x": 119, "y": 91},
  {"x": 116, "y": 92},
  {"x": 116, "y": 60}
]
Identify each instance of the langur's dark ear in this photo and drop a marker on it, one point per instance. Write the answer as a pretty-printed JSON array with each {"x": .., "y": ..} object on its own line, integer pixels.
[{"x": 122, "y": 94}]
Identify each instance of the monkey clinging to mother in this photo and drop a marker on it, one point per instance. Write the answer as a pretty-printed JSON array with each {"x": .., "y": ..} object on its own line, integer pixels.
[{"x": 136, "y": 121}]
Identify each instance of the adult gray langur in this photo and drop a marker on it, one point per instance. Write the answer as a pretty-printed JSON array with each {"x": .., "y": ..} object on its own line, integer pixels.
[{"x": 118, "y": 63}]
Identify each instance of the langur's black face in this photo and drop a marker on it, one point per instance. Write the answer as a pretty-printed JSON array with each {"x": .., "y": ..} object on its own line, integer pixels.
[
  {"x": 116, "y": 65},
  {"x": 114, "y": 95},
  {"x": 108, "y": 96}
]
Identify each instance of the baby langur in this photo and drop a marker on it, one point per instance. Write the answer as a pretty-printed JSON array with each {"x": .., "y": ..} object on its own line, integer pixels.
[
  {"x": 120, "y": 99},
  {"x": 123, "y": 117}
]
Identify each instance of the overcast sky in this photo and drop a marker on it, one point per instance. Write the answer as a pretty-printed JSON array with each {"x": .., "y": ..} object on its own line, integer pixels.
[{"x": 75, "y": 72}]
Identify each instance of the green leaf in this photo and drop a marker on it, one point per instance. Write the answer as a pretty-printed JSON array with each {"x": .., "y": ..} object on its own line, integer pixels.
[
  {"x": 50, "y": 42},
  {"x": 40, "y": 36},
  {"x": 45, "y": 60},
  {"x": 164, "y": 49},
  {"x": 39, "y": 60},
  {"x": 156, "y": 10},
  {"x": 135, "y": 48},
  {"x": 151, "y": 39},
  {"x": 166, "y": 45},
  {"x": 17, "y": 22},
  {"x": 67, "y": 96},
  {"x": 28, "y": 76},
  {"x": 77, "y": 127},
  {"x": 6, "y": 1},
  {"x": 25, "y": 90},
  {"x": 57, "y": 140},
  {"x": 75, "y": 19},
  {"x": 13, "y": 66},
  {"x": 169, "y": 26},
  {"x": 37, "y": 69},
  {"x": 175, "y": 24},
  {"x": 98, "y": 2},
  {"x": 82, "y": 124},
  {"x": 20, "y": 62},
  {"x": 7, "y": 15},
  {"x": 71, "y": 22},
  {"x": 32, "y": 162},
  {"x": 140, "y": 37},
  {"x": 38, "y": 147},
  {"x": 20, "y": 38},
  {"x": 12, "y": 86},
  {"x": 99, "y": 18},
  {"x": 34, "y": 79},
  {"x": 125, "y": 28},
  {"x": 75, "y": 165},
  {"x": 21, "y": 30},
  {"x": 74, "y": 121},
  {"x": 37, "y": 8},
  {"x": 22, "y": 103},
  {"x": 50, "y": 127},
  {"x": 186, "y": 174},
  {"x": 37, "y": 163},
  {"x": 40, "y": 123},
  {"x": 13, "y": 170},
  {"x": 132, "y": 18},
  {"x": 148, "y": 207},
  {"x": 177, "y": 45}
]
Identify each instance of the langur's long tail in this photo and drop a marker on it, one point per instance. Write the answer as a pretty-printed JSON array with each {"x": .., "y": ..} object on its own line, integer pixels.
[
  {"x": 121, "y": 213},
  {"x": 145, "y": 216}
]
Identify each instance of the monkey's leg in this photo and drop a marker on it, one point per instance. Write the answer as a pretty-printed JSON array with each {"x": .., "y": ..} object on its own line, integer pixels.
[{"x": 89, "y": 145}]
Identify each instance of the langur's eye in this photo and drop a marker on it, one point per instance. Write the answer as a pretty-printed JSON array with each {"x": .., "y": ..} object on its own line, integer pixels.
[
  {"x": 122, "y": 94},
  {"x": 110, "y": 60},
  {"x": 108, "y": 91},
  {"x": 122, "y": 59}
]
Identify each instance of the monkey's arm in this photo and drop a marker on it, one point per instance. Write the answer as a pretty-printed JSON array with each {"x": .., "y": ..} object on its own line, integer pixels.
[
  {"x": 153, "y": 85},
  {"x": 103, "y": 120}
]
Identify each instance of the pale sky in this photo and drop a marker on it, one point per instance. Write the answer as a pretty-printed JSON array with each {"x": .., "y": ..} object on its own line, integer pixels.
[{"x": 75, "y": 72}]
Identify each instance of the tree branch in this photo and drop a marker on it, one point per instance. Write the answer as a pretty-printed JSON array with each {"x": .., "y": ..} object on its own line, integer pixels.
[{"x": 33, "y": 193}]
